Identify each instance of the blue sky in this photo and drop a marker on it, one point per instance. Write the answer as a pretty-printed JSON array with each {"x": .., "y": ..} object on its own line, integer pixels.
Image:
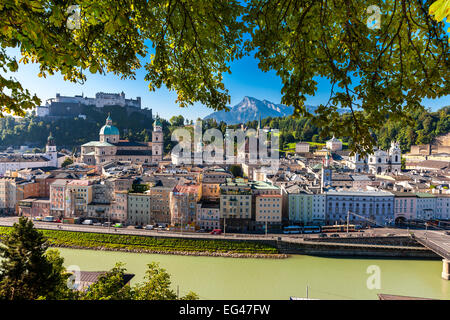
[{"x": 246, "y": 80}]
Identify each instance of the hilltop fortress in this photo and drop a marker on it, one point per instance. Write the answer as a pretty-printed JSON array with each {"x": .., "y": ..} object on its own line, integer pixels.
[{"x": 65, "y": 106}]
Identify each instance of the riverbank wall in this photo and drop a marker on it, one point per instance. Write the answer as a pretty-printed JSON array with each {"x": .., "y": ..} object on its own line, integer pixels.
[{"x": 395, "y": 249}]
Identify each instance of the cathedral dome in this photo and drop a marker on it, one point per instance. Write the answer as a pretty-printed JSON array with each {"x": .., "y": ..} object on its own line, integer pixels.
[{"x": 108, "y": 129}]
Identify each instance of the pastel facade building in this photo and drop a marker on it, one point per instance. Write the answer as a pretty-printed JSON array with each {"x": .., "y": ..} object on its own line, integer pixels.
[
  {"x": 302, "y": 147},
  {"x": 405, "y": 206},
  {"x": 79, "y": 195},
  {"x": 59, "y": 199},
  {"x": 443, "y": 207},
  {"x": 268, "y": 211},
  {"x": 119, "y": 207},
  {"x": 34, "y": 207},
  {"x": 334, "y": 144},
  {"x": 8, "y": 195},
  {"x": 139, "y": 212},
  {"x": 306, "y": 207},
  {"x": 160, "y": 199},
  {"x": 236, "y": 206},
  {"x": 208, "y": 215},
  {"x": 183, "y": 204},
  {"x": 369, "y": 206},
  {"x": 426, "y": 206}
]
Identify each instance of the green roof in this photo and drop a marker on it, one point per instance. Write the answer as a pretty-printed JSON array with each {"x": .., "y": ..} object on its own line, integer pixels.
[
  {"x": 425, "y": 195},
  {"x": 263, "y": 185},
  {"x": 109, "y": 130}
]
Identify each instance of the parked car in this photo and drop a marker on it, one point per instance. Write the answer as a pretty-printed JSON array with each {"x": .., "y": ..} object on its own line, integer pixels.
[
  {"x": 149, "y": 227},
  {"x": 216, "y": 231},
  {"x": 447, "y": 233},
  {"x": 323, "y": 235},
  {"x": 138, "y": 227},
  {"x": 37, "y": 218},
  {"x": 97, "y": 224},
  {"x": 118, "y": 225},
  {"x": 107, "y": 224},
  {"x": 201, "y": 230},
  {"x": 87, "y": 222},
  {"x": 334, "y": 235}
]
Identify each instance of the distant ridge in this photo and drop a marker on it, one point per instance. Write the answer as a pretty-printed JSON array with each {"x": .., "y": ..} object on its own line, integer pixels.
[{"x": 250, "y": 109}]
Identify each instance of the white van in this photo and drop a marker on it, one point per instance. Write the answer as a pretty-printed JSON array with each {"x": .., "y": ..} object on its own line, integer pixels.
[
  {"x": 149, "y": 227},
  {"x": 87, "y": 222}
]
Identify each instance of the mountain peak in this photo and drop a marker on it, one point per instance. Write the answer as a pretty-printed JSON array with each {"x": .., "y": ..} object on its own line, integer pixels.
[{"x": 250, "y": 109}]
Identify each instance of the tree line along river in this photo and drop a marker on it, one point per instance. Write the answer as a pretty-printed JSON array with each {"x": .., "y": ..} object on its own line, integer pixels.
[{"x": 326, "y": 278}]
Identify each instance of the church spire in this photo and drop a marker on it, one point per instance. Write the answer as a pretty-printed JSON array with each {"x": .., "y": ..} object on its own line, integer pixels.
[
  {"x": 50, "y": 140},
  {"x": 109, "y": 120}
]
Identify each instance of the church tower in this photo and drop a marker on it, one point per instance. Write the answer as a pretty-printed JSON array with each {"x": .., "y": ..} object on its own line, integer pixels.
[
  {"x": 326, "y": 176},
  {"x": 157, "y": 141},
  {"x": 395, "y": 154},
  {"x": 50, "y": 151}
]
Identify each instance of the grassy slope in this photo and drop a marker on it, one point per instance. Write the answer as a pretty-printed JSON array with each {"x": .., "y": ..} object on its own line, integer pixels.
[{"x": 116, "y": 241}]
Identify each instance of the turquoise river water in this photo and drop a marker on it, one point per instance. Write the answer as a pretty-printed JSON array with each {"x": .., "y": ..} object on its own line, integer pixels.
[{"x": 326, "y": 278}]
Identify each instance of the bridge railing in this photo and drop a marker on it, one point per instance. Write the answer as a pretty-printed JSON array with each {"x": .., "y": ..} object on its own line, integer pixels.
[{"x": 437, "y": 249}]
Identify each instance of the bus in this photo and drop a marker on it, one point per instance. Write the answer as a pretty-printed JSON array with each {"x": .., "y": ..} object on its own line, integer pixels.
[
  {"x": 49, "y": 219},
  {"x": 292, "y": 230},
  {"x": 311, "y": 229},
  {"x": 339, "y": 228}
]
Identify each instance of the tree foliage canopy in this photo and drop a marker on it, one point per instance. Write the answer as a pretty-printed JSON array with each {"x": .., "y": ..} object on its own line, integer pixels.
[
  {"x": 30, "y": 271},
  {"x": 380, "y": 60}
]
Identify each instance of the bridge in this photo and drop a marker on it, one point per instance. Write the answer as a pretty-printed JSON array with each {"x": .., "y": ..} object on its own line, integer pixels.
[
  {"x": 436, "y": 241},
  {"x": 439, "y": 243}
]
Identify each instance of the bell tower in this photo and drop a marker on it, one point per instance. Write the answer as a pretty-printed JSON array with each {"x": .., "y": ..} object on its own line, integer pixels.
[
  {"x": 157, "y": 141},
  {"x": 326, "y": 176},
  {"x": 51, "y": 152}
]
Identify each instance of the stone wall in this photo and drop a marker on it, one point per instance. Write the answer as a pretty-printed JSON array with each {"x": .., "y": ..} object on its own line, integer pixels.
[{"x": 387, "y": 241}]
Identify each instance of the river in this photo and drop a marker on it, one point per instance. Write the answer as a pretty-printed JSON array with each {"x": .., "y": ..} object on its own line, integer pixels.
[{"x": 326, "y": 278}]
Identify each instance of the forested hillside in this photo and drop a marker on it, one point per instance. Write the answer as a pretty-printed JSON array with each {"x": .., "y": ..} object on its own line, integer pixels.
[{"x": 72, "y": 132}]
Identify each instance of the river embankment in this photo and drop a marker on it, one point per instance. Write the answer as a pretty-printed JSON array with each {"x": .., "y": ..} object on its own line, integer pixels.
[{"x": 158, "y": 245}]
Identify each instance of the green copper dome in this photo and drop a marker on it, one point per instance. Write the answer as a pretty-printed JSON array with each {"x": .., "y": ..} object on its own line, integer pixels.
[{"x": 108, "y": 129}]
